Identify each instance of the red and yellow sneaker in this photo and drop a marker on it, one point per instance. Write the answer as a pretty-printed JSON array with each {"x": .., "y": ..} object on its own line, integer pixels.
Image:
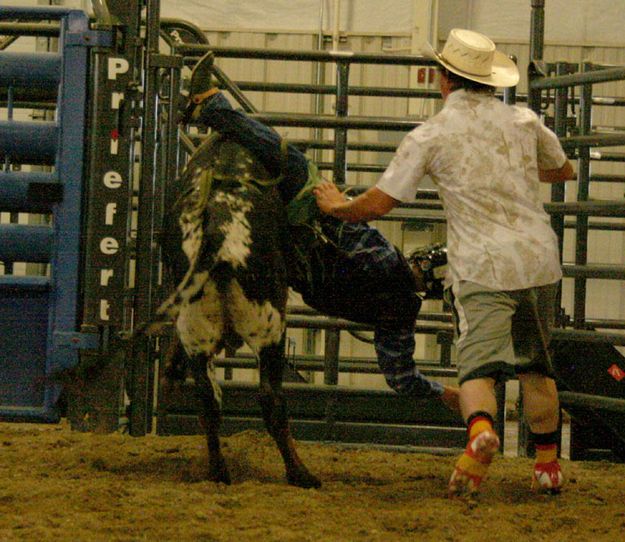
[
  {"x": 547, "y": 477},
  {"x": 472, "y": 466}
]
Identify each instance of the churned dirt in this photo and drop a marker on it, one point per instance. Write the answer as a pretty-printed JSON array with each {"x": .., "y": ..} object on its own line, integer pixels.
[{"x": 60, "y": 485}]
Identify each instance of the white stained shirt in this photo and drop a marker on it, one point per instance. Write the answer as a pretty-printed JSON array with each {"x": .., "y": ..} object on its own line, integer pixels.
[{"x": 483, "y": 156}]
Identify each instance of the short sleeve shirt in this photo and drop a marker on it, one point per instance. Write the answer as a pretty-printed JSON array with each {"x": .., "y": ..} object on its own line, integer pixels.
[{"x": 484, "y": 156}]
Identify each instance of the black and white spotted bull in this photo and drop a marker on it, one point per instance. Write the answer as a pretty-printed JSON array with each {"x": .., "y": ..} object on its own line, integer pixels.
[{"x": 224, "y": 246}]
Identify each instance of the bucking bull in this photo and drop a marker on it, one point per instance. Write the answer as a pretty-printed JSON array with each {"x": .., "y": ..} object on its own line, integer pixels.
[{"x": 224, "y": 246}]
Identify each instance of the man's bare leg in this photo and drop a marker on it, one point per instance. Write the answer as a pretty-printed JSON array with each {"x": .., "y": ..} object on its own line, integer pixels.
[{"x": 541, "y": 408}]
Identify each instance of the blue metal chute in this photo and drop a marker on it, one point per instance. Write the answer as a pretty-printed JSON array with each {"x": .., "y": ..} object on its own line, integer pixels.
[{"x": 39, "y": 314}]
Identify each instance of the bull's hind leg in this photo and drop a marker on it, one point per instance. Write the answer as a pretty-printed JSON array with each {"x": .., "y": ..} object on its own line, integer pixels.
[
  {"x": 275, "y": 415},
  {"x": 200, "y": 327},
  {"x": 261, "y": 326},
  {"x": 209, "y": 395}
]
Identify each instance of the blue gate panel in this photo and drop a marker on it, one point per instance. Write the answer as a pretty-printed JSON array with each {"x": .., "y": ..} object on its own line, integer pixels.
[
  {"x": 29, "y": 142},
  {"x": 29, "y": 192},
  {"x": 22, "y": 383},
  {"x": 23, "y": 243},
  {"x": 19, "y": 69},
  {"x": 39, "y": 317}
]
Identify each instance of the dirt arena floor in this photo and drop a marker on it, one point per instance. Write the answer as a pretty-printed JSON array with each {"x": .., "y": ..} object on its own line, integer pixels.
[{"x": 60, "y": 485}]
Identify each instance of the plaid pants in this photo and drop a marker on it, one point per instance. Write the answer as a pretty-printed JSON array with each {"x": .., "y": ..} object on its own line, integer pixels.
[{"x": 394, "y": 341}]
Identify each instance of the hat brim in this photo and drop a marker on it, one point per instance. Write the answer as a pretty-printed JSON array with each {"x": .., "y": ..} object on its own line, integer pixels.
[{"x": 504, "y": 72}]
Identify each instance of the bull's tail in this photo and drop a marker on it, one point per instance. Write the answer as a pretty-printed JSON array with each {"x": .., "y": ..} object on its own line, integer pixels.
[{"x": 191, "y": 284}]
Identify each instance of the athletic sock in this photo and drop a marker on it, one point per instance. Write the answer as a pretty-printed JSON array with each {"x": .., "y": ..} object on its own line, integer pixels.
[
  {"x": 546, "y": 453},
  {"x": 547, "y": 475},
  {"x": 478, "y": 424},
  {"x": 472, "y": 465}
]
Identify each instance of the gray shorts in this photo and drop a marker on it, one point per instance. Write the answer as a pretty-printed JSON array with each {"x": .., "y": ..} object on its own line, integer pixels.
[{"x": 502, "y": 333}]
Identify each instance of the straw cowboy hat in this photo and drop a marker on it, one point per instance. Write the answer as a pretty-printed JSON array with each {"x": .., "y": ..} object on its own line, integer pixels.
[{"x": 473, "y": 56}]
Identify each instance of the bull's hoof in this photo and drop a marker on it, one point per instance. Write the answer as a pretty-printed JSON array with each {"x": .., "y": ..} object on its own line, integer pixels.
[
  {"x": 219, "y": 473},
  {"x": 303, "y": 479},
  {"x": 220, "y": 478}
]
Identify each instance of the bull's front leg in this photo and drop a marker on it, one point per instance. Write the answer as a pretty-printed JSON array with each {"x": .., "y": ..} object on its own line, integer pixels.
[
  {"x": 273, "y": 405},
  {"x": 208, "y": 392}
]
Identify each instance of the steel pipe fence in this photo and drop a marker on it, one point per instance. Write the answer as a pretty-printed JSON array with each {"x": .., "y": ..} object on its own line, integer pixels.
[
  {"x": 319, "y": 322},
  {"x": 580, "y": 145},
  {"x": 607, "y": 404},
  {"x": 595, "y": 323},
  {"x": 346, "y": 365},
  {"x": 559, "y": 209},
  {"x": 196, "y": 50},
  {"x": 592, "y": 77}
]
